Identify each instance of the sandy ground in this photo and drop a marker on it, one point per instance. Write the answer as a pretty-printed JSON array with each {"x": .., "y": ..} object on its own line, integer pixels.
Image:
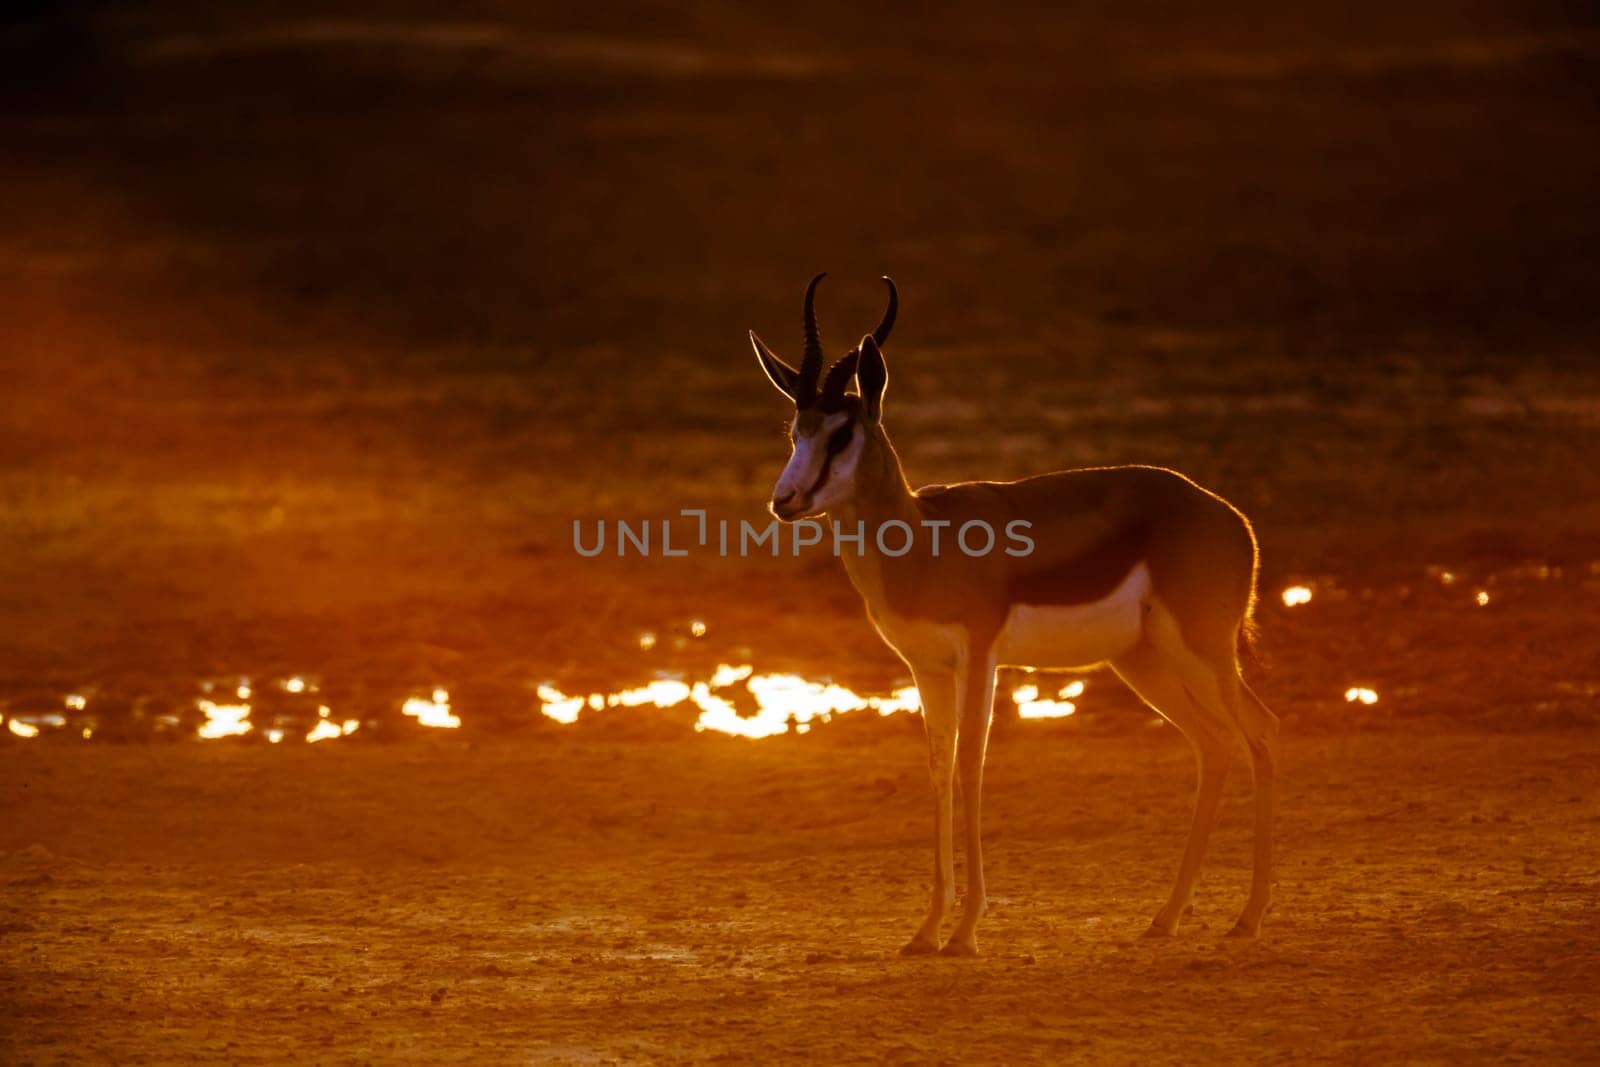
[{"x": 1438, "y": 900}]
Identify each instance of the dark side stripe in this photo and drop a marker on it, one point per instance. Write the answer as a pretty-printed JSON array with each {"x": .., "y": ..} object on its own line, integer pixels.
[{"x": 1083, "y": 578}]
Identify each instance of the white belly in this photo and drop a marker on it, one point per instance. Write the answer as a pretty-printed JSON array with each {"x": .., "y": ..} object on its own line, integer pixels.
[{"x": 1076, "y": 635}]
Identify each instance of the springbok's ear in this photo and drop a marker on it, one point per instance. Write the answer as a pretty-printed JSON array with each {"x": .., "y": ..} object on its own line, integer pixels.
[
  {"x": 872, "y": 377},
  {"x": 782, "y": 375}
]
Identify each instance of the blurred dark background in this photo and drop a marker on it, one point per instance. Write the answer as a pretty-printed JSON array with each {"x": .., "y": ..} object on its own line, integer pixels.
[{"x": 320, "y": 323}]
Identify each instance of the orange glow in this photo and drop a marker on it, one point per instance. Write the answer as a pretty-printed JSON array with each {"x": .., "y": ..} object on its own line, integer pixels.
[
  {"x": 1361, "y": 695},
  {"x": 1483, "y": 598},
  {"x": 697, "y": 628},
  {"x": 727, "y": 674},
  {"x": 1030, "y": 706},
  {"x": 326, "y": 729},
  {"x": 22, "y": 729},
  {"x": 781, "y": 698},
  {"x": 435, "y": 712},
  {"x": 323, "y": 731},
  {"x": 76, "y": 701},
  {"x": 1296, "y": 595},
  {"x": 223, "y": 720},
  {"x": 647, "y": 641},
  {"x": 558, "y": 706},
  {"x": 663, "y": 694}
]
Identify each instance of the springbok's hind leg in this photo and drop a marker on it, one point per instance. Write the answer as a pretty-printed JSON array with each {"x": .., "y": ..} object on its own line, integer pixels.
[
  {"x": 1260, "y": 727},
  {"x": 1160, "y": 684}
]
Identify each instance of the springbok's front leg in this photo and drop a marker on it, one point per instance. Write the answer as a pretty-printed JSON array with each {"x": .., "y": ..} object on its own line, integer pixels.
[
  {"x": 977, "y": 709},
  {"x": 940, "y": 715}
]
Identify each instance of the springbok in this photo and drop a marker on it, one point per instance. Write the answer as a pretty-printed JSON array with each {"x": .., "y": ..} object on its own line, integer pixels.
[{"x": 1133, "y": 566}]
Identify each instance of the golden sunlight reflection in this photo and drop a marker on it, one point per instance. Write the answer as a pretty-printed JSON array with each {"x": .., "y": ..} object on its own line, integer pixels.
[
  {"x": 22, "y": 729},
  {"x": 324, "y": 731},
  {"x": 295, "y": 685},
  {"x": 435, "y": 712},
  {"x": 647, "y": 641},
  {"x": 1031, "y": 706},
  {"x": 697, "y": 628},
  {"x": 1483, "y": 598},
  {"x": 223, "y": 720},
  {"x": 76, "y": 701},
  {"x": 1361, "y": 695},
  {"x": 1296, "y": 595},
  {"x": 727, "y": 674},
  {"x": 661, "y": 693},
  {"x": 558, "y": 706},
  {"x": 785, "y": 699},
  {"x": 244, "y": 689}
]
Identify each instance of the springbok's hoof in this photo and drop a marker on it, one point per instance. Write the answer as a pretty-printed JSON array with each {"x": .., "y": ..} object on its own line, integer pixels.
[
  {"x": 1244, "y": 930},
  {"x": 953, "y": 947},
  {"x": 1155, "y": 931},
  {"x": 919, "y": 946}
]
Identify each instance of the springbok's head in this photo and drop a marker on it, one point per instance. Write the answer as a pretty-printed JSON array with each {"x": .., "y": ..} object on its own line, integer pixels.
[{"x": 831, "y": 428}]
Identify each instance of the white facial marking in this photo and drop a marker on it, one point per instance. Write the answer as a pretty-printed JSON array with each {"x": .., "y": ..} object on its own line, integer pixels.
[{"x": 798, "y": 488}]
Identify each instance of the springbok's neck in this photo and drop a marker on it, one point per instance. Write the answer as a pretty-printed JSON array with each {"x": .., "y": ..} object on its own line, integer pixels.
[{"x": 881, "y": 490}]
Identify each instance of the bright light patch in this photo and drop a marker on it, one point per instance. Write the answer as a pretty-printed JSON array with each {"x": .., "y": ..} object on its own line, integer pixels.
[
  {"x": 22, "y": 729},
  {"x": 906, "y": 699},
  {"x": 223, "y": 720},
  {"x": 76, "y": 701},
  {"x": 295, "y": 685},
  {"x": 596, "y": 701},
  {"x": 435, "y": 712},
  {"x": 274, "y": 735},
  {"x": 323, "y": 731},
  {"x": 324, "y": 711},
  {"x": 1296, "y": 595},
  {"x": 779, "y": 698},
  {"x": 727, "y": 674},
  {"x": 558, "y": 706},
  {"x": 1030, "y": 706},
  {"x": 350, "y": 726},
  {"x": 647, "y": 641},
  {"x": 661, "y": 693},
  {"x": 1361, "y": 695},
  {"x": 1447, "y": 578},
  {"x": 1483, "y": 598},
  {"x": 87, "y": 733},
  {"x": 697, "y": 628}
]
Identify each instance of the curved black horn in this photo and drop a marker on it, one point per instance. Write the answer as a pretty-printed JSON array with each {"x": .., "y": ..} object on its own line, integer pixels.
[
  {"x": 839, "y": 375},
  {"x": 811, "y": 359},
  {"x": 881, "y": 334}
]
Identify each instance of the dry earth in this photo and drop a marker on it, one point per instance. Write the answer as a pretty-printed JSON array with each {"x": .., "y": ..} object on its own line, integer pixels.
[{"x": 572, "y": 901}]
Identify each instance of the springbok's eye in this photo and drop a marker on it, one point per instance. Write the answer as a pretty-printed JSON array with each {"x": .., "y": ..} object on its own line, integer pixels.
[{"x": 840, "y": 439}]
